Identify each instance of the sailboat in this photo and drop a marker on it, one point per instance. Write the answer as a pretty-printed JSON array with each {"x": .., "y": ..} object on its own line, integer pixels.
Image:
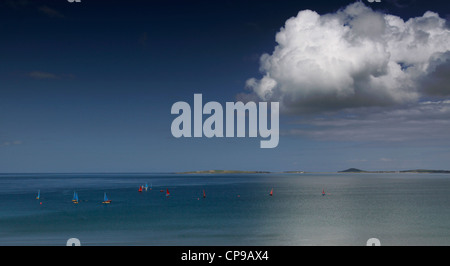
[
  {"x": 204, "y": 194},
  {"x": 75, "y": 198},
  {"x": 106, "y": 200},
  {"x": 38, "y": 195},
  {"x": 323, "y": 192},
  {"x": 146, "y": 187},
  {"x": 271, "y": 192},
  {"x": 140, "y": 189},
  {"x": 167, "y": 193}
]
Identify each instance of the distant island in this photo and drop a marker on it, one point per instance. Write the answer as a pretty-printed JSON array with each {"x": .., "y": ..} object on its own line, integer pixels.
[
  {"x": 417, "y": 171},
  {"x": 352, "y": 170}
]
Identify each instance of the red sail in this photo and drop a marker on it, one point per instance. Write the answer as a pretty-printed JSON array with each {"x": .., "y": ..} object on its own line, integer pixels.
[
  {"x": 204, "y": 194},
  {"x": 271, "y": 192},
  {"x": 167, "y": 193},
  {"x": 140, "y": 189}
]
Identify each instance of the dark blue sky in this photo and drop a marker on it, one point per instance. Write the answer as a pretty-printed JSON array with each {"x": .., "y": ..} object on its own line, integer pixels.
[{"x": 88, "y": 87}]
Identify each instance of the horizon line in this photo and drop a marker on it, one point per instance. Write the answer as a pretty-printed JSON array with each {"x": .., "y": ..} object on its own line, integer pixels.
[{"x": 213, "y": 171}]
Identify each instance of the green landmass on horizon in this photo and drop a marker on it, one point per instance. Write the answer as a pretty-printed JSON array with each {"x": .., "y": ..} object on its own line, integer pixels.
[{"x": 419, "y": 171}]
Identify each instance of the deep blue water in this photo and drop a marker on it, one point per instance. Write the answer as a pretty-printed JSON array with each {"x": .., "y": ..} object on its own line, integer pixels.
[{"x": 398, "y": 209}]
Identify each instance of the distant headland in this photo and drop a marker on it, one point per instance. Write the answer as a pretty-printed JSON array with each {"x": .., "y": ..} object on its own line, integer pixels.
[{"x": 417, "y": 171}]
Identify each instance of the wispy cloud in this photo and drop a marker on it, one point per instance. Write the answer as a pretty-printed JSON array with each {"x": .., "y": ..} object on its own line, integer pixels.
[
  {"x": 16, "y": 4},
  {"x": 143, "y": 39},
  {"x": 426, "y": 121},
  {"x": 401, "y": 3},
  {"x": 51, "y": 12},
  {"x": 26, "y": 4},
  {"x": 357, "y": 161},
  {"x": 11, "y": 143},
  {"x": 42, "y": 75}
]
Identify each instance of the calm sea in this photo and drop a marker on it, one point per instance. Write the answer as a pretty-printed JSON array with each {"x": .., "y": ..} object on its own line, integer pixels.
[{"x": 398, "y": 209}]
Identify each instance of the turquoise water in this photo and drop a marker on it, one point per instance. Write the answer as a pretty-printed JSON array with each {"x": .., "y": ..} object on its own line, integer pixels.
[{"x": 398, "y": 209}]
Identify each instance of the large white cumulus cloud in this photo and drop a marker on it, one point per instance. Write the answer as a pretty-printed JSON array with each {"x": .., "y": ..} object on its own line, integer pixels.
[{"x": 353, "y": 58}]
